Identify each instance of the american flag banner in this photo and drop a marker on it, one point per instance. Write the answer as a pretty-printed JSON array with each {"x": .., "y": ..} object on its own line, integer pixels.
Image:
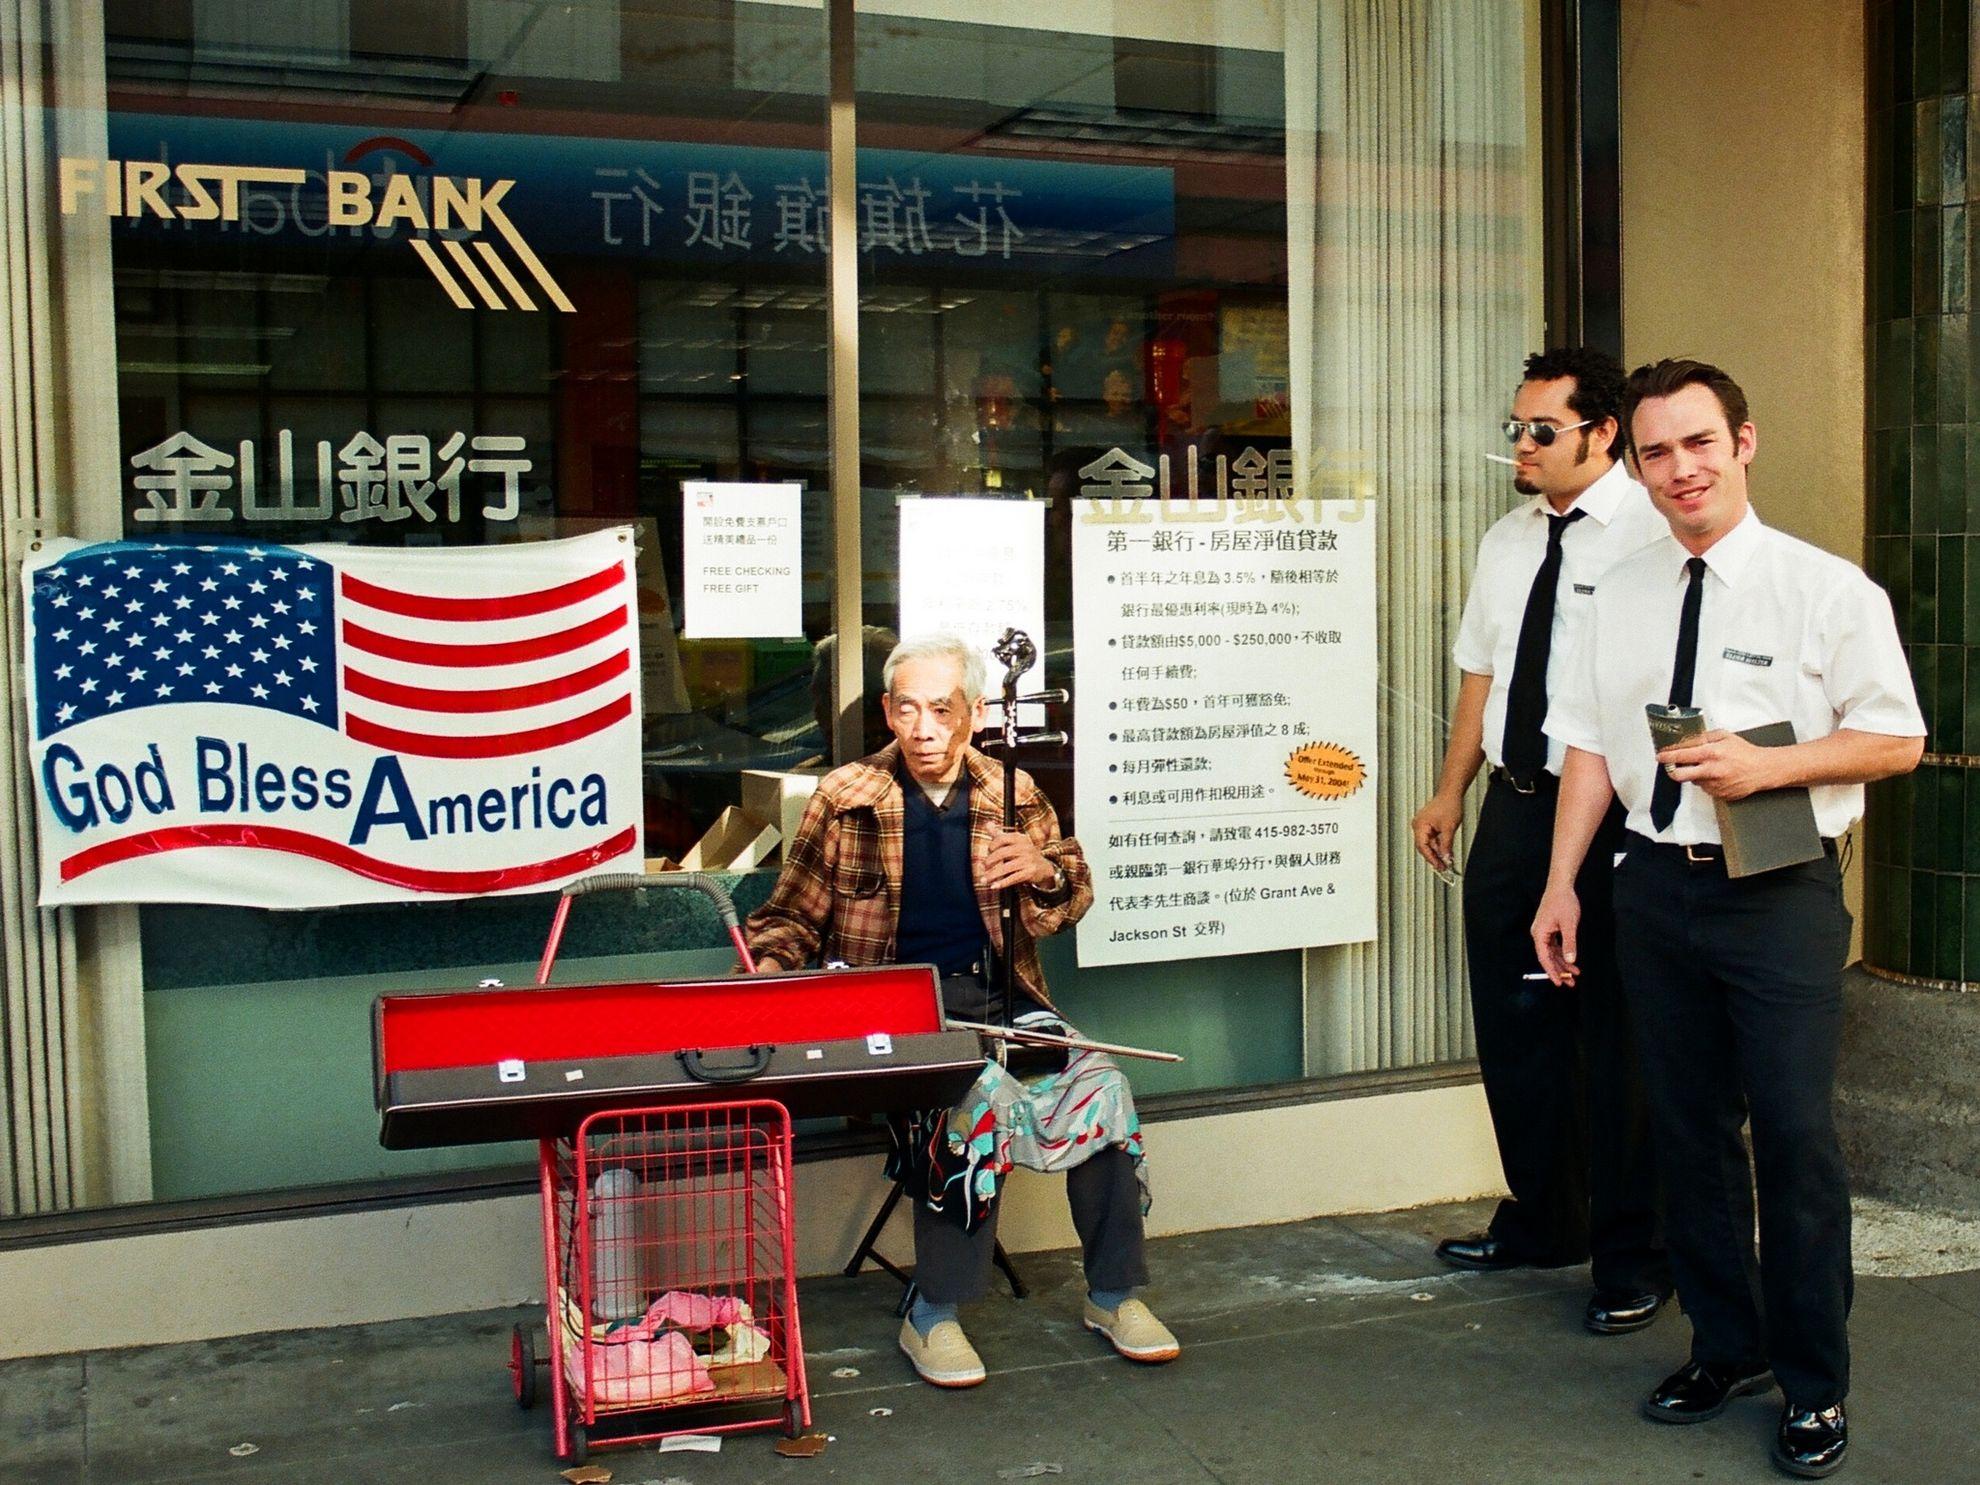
[{"x": 308, "y": 726}]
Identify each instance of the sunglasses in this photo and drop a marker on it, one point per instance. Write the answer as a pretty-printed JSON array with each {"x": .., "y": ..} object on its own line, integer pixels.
[{"x": 1542, "y": 434}]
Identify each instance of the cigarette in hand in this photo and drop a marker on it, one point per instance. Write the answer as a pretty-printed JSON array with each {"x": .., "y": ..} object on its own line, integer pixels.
[{"x": 1538, "y": 974}]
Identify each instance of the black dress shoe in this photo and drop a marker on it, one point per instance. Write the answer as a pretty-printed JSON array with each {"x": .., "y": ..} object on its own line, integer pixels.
[
  {"x": 1483, "y": 1251},
  {"x": 1619, "y": 1311},
  {"x": 1695, "y": 1391},
  {"x": 1812, "y": 1441}
]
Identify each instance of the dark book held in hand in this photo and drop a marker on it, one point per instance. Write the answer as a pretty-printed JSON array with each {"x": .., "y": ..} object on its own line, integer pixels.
[
  {"x": 1771, "y": 829},
  {"x": 1762, "y": 832}
]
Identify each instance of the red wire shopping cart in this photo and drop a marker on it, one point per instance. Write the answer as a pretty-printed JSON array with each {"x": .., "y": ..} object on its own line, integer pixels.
[
  {"x": 667, "y": 1224},
  {"x": 669, "y": 1264}
]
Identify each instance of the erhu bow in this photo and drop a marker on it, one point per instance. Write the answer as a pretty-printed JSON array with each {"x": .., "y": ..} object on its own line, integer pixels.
[{"x": 1025, "y": 1036}]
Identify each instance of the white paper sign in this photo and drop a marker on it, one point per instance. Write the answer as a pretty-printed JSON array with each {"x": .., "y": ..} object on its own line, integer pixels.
[
  {"x": 974, "y": 568},
  {"x": 1225, "y": 708},
  {"x": 741, "y": 560}
]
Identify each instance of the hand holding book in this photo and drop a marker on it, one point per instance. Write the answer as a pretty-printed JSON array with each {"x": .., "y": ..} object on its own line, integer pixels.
[{"x": 1762, "y": 826}]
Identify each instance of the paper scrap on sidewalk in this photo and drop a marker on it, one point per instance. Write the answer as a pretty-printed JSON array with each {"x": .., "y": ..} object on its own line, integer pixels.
[
  {"x": 804, "y": 1446},
  {"x": 700, "y": 1443},
  {"x": 588, "y": 1474}
]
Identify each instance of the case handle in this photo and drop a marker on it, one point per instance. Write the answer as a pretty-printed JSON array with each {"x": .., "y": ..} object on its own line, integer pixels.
[{"x": 696, "y": 1066}]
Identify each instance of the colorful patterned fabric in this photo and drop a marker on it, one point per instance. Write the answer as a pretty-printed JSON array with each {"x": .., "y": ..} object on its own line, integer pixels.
[
  {"x": 955, "y": 1159},
  {"x": 839, "y": 894}
]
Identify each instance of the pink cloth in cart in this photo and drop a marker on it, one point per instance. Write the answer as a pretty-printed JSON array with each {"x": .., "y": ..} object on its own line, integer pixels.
[
  {"x": 642, "y": 1371},
  {"x": 648, "y": 1362},
  {"x": 688, "y": 1311},
  {"x": 633, "y": 1369}
]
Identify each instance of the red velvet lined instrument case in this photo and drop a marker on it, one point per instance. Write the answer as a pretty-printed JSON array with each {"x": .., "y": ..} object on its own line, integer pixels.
[{"x": 454, "y": 1067}]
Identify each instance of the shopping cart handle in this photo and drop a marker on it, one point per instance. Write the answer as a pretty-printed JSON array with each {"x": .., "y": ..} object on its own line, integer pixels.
[
  {"x": 619, "y": 881},
  {"x": 695, "y": 1065}
]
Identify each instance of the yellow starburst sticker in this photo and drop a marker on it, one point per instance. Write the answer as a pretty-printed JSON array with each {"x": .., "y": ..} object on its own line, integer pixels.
[{"x": 1325, "y": 770}]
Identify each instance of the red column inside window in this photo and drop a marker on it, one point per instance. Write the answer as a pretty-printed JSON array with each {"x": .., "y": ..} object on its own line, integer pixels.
[{"x": 598, "y": 395}]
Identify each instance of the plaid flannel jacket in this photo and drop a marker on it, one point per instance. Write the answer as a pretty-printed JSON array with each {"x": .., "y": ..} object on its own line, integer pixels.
[{"x": 839, "y": 894}]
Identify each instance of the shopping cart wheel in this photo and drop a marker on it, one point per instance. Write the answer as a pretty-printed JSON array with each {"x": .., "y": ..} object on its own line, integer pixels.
[
  {"x": 793, "y": 1419},
  {"x": 522, "y": 1366},
  {"x": 580, "y": 1446}
]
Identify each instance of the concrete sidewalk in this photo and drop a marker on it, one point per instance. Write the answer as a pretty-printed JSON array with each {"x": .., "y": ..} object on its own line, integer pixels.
[{"x": 1336, "y": 1350}]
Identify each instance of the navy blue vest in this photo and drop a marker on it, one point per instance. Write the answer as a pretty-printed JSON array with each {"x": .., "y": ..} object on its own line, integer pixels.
[{"x": 940, "y": 923}]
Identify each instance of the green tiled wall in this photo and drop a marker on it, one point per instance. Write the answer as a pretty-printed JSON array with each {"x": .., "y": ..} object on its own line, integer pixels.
[{"x": 1922, "y": 835}]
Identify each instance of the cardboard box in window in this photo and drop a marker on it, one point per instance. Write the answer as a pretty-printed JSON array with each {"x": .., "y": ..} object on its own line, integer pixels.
[
  {"x": 779, "y": 798},
  {"x": 735, "y": 842}
]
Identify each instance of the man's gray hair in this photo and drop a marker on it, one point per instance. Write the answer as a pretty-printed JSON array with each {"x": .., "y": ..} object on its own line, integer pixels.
[{"x": 938, "y": 647}]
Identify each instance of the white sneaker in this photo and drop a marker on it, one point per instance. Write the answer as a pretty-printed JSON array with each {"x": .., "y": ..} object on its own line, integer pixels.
[
  {"x": 1134, "y": 1331},
  {"x": 945, "y": 1357}
]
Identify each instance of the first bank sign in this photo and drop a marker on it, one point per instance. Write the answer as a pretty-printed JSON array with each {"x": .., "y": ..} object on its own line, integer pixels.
[{"x": 451, "y": 214}]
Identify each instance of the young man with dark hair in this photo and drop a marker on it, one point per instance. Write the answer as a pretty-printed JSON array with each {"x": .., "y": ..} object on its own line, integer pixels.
[
  {"x": 1671, "y": 376},
  {"x": 1559, "y": 1074},
  {"x": 1734, "y": 983},
  {"x": 1594, "y": 388}
]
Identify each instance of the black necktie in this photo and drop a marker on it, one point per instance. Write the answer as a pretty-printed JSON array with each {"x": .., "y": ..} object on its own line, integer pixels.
[
  {"x": 1525, "y": 748},
  {"x": 1664, "y": 794}
]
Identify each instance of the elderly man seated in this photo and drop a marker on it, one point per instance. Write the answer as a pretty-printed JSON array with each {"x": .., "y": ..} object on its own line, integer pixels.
[{"x": 901, "y": 858}]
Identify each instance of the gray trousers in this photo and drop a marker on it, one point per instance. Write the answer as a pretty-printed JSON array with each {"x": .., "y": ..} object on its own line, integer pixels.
[{"x": 952, "y": 1266}]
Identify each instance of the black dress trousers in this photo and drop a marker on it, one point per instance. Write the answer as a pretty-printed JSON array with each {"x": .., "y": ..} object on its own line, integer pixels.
[
  {"x": 1558, "y": 1064},
  {"x": 1736, "y": 991}
]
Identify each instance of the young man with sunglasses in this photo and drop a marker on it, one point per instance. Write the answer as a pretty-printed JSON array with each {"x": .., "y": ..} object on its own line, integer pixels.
[{"x": 1558, "y": 1068}]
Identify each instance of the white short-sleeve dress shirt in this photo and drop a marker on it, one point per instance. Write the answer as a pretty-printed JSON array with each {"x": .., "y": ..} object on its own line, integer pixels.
[
  {"x": 1620, "y": 520},
  {"x": 1786, "y": 632}
]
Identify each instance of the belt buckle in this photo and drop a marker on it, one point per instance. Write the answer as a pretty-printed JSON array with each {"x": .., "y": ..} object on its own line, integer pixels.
[
  {"x": 1530, "y": 787},
  {"x": 1692, "y": 854}
]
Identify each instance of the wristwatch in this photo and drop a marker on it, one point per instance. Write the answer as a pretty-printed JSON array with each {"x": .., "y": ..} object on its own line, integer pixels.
[{"x": 1057, "y": 884}]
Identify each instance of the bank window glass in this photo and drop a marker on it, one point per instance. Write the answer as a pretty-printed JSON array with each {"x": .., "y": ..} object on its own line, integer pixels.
[{"x": 476, "y": 272}]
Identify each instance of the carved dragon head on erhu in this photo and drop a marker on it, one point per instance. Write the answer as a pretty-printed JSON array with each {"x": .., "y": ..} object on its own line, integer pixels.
[{"x": 1018, "y": 654}]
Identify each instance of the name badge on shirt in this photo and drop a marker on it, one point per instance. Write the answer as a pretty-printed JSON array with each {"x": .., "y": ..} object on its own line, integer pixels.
[
  {"x": 1587, "y": 588},
  {"x": 1747, "y": 657}
]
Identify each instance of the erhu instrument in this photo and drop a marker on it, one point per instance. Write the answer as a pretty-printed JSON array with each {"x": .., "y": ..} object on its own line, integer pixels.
[{"x": 1018, "y": 654}]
